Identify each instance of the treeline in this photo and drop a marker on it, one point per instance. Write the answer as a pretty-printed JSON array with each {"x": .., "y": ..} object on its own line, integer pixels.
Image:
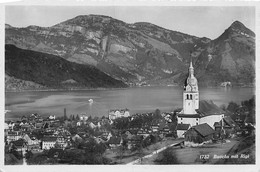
[
  {"x": 241, "y": 113},
  {"x": 89, "y": 152}
]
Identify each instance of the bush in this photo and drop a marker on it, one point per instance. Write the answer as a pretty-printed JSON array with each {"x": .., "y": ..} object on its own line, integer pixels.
[{"x": 167, "y": 157}]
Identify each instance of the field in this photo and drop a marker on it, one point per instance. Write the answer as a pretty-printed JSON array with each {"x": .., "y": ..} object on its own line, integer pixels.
[
  {"x": 197, "y": 155},
  {"x": 129, "y": 156}
]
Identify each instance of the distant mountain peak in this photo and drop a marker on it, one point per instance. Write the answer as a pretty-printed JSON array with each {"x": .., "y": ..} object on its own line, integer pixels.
[{"x": 238, "y": 26}]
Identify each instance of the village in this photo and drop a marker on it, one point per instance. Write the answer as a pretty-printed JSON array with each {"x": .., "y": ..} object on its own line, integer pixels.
[{"x": 120, "y": 137}]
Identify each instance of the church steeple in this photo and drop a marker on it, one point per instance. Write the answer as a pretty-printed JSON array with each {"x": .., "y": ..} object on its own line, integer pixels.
[
  {"x": 191, "y": 92},
  {"x": 191, "y": 69}
]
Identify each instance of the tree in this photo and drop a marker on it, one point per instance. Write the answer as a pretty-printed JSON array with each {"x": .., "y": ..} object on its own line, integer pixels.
[
  {"x": 168, "y": 157},
  {"x": 250, "y": 105},
  {"x": 223, "y": 107},
  {"x": 157, "y": 113},
  {"x": 120, "y": 152},
  {"x": 77, "y": 117},
  {"x": 28, "y": 154},
  {"x": 140, "y": 150},
  {"x": 38, "y": 159},
  {"x": 65, "y": 115},
  {"x": 57, "y": 146},
  {"x": 232, "y": 107}
]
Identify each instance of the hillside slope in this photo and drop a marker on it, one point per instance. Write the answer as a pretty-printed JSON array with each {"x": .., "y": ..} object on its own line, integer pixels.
[{"x": 50, "y": 71}]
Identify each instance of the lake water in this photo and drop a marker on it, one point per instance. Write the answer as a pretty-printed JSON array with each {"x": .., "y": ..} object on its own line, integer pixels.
[{"x": 137, "y": 100}]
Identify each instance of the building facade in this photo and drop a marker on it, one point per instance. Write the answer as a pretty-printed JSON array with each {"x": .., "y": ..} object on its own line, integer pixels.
[
  {"x": 114, "y": 114},
  {"x": 196, "y": 112}
]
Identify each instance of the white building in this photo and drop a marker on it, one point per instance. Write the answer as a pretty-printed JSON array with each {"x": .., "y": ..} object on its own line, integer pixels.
[
  {"x": 48, "y": 142},
  {"x": 52, "y": 117},
  {"x": 13, "y": 136},
  {"x": 197, "y": 112},
  {"x": 181, "y": 129},
  {"x": 114, "y": 114}
]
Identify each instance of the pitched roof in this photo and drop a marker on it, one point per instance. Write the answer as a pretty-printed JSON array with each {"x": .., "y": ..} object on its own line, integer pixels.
[
  {"x": 114, "y": 140},
  {"x": 49, "y": 139},
  {"x": 19, "y": 143},
  {"x": 229, "y": 121},
  {"x": 204, "y": 129},
  {"x": 183, "y": 126},
  {"x": 207, "y": 107}
]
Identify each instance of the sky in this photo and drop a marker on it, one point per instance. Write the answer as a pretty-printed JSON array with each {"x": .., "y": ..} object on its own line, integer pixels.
[{"x": 200, "y": 21}]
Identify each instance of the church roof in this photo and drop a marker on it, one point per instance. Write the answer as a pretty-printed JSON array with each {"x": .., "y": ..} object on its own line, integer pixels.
[
  {"x": 207, "y": 107},
  {"x": 189, "y": 115}
]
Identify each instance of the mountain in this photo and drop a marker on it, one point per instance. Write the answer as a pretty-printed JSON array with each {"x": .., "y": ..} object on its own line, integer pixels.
[
  {"x": 26, "y": 69},
  {"x": 230, "y": 57},
  {"x": 142, "y": 53}
]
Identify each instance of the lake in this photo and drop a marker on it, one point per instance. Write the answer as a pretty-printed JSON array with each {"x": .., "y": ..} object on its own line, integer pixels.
[{"x": 137, "y": 100}]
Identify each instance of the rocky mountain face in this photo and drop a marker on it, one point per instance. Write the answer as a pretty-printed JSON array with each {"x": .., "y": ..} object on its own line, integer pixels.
[
  {"x": 230, "y": 57},
  {"x": 26, "y": 69},
  {"x": 143, "y": 53}
]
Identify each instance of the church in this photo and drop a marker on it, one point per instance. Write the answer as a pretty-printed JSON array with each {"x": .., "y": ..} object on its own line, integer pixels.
[{"x": 196, "y": 112}]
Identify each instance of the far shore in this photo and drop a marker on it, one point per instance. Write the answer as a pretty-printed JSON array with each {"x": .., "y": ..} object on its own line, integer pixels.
[{"x": 121, "y": 88}]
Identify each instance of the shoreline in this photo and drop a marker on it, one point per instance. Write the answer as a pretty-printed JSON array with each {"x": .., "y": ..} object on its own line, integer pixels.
[{"x": 121, "y": 88}]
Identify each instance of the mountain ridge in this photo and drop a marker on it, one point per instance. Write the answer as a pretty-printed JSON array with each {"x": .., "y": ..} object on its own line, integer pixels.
[{"x": 142, "y": 53}]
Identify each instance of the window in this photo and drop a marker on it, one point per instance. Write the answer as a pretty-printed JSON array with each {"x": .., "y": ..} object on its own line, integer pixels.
[
  {"x": 197, "y": 123},
  {"x": 190, "y": 96},
  {"x": 197, "y": 119}
]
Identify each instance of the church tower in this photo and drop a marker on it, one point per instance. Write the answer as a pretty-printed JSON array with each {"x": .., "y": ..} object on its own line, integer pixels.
[{"x": 190, "y": 93}]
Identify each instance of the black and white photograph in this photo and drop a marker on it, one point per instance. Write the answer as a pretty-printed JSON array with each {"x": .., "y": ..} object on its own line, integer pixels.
[{"x": 129, "y": 85}]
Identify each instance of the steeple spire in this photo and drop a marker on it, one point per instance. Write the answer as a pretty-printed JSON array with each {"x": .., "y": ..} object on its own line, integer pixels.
[{"x": 191, "y": 69}]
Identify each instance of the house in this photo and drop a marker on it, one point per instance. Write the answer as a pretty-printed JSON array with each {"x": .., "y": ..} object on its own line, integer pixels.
[
  {"x": 61, "y": 141},
  {"x": 134, "y": 141},
  {"x": 92, "y": 125},
  {"x": 155, "y": 126},
  {"x": 76, "y": 137},
  {"x": 83, "y": 117},
  {"x": 48, "y": 142},
  {"x": 225, "y": 127},
  {"x": 13, "y": 136},
  {"x": 52, "y": 117},
  {"x": 199, "y": 133},
  {"x": 181, "y": 129},
  {"x": 142, "y": 132},
  {"x": 39, "y": 125},
  {"x": 20, "y": 145},
  {"x": 164, "y": 128},
  {"x": 114, "y": 114},
  {"x": 30, "y": 140},
  {"x": 11, "y": 125},
  {"x": 114, "y": 141},
  {"x": 25, "y": 127}
]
